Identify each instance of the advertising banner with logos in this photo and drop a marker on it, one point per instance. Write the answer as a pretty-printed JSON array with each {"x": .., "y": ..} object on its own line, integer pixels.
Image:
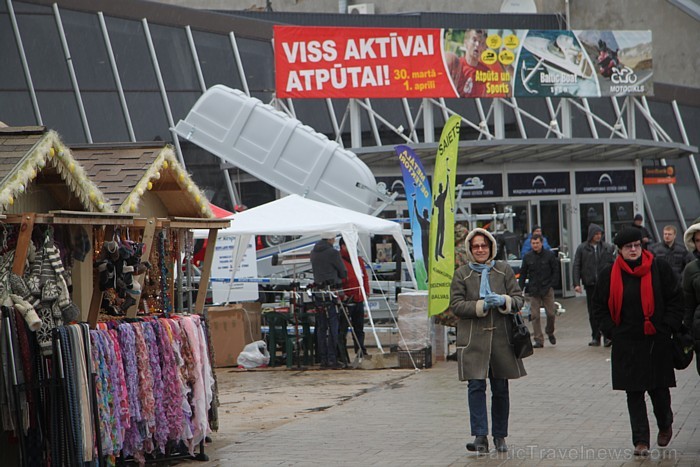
[
  {"x": 343, "y": 62},
  {"x": 659, "y": 175},
  {"x": 605, "y": 181},
  {"x": 482, "y": 186},
  {"x": 539, "y": 184}
]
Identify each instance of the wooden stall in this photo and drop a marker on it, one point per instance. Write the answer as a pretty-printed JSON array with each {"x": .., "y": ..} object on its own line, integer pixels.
[
  {"x": 59, "y": 208},
  {"x": 146, "y": 181}
]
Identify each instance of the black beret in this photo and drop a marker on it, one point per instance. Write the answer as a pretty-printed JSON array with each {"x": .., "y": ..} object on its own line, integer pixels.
[{"x": 628, "y": 235}]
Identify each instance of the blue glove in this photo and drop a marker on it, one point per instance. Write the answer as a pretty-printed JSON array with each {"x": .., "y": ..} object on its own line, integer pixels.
[{"x": 494, "y": 300}]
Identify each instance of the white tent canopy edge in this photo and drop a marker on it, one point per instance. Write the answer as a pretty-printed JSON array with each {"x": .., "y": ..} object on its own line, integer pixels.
[{"x": 295, "y": 215}]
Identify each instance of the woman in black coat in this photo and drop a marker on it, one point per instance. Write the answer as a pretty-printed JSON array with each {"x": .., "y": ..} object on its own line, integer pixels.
[{"x": 638, "y": 303}]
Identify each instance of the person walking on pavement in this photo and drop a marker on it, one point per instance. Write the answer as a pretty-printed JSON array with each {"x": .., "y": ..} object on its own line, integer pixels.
[
  {"x": 483, "y": 294},
  {"x": 540, "y": 268},
  {"x": 691, "y": 286},
  {"x": 329, "y": 272},
  {"x": 354, "y": 302},
  {"x": 646, "y": 236},
  {"x": 674, "y": 253},
  {"x": 638, "y": 304},
  {"x": 590, "y": 257}
]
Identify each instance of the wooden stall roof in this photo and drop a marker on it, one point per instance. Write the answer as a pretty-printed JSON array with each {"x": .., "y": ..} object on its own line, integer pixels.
[
  {"x": 31, "y": 156},
  {"x": 124, "y": 172}
]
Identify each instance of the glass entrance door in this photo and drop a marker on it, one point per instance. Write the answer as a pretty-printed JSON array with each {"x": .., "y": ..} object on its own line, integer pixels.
[
  {"x": 591, "y": 213},
  {"x": 549, "y": 218},
  {"x": 612, "y": 216},
  {"x": 621, "y": 215}
]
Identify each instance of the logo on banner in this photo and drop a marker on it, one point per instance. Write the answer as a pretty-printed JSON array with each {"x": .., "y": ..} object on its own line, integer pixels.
[
  {"x": 473, "y": 183},
  {"x": 539, "y": 181}
]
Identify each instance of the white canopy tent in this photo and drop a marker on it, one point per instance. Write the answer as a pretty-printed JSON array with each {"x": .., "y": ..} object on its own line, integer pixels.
[{"x": 294, "y": 215}]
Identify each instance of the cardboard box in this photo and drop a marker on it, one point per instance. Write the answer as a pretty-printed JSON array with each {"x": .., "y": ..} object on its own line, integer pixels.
[{"x": 232, "y": 327}]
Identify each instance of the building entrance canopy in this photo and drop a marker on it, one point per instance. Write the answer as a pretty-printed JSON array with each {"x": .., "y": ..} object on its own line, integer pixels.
[{"x": 560, "y": 151}]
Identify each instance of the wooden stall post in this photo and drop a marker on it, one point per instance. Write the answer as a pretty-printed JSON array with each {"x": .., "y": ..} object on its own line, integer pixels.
[
  {"x": 23, "y": 241},
  {"x": 83, "y": 277}
]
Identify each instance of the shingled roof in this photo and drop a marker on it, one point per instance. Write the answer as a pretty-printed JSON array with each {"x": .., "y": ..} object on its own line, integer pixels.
[
  {"x": 31, "y": 156},
  {"x": 124, "y": 172}
]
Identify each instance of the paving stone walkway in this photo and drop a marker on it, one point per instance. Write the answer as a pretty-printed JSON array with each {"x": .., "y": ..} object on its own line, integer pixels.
[{"x": 563, "y": 413}]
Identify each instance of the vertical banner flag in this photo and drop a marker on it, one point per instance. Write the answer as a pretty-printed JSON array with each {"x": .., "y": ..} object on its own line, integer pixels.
[
  {"x": 442, "y": 242},
  {"x": 419, "y": 204}
]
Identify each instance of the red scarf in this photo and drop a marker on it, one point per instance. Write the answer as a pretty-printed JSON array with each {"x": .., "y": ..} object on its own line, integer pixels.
[{"x": 615, "y": 299}]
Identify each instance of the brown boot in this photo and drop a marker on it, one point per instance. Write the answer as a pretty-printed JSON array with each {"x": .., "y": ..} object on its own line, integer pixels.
[
  {"x": 664, "y": 437},
  {"x": 641, "y": 449}
]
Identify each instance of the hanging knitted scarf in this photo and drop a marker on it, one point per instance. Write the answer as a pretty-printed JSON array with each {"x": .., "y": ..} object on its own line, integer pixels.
[
  {"x": 647, "y": 293},
  {"x": 483, "y": 269}
]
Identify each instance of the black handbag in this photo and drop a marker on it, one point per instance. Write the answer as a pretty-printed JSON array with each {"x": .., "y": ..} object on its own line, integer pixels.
[
  {"x": 682, "y": 348},
  {"x": 522, "y": 343}
]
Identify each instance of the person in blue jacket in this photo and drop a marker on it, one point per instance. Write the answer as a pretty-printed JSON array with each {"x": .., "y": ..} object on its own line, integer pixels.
[{"x": 527, "y": 247}]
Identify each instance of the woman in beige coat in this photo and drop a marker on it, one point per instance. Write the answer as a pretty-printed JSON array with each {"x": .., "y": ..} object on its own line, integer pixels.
[{"x": 484, "y": 294}]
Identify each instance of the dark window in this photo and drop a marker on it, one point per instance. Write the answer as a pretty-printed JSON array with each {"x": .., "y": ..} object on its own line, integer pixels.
[
  {"x": 88, "y": 51},
  {"x": 59, "y": 110},
  {"x": 131, "y": 53},
  {"x": 16, "y": 108},
  {"x": 174, "y": 58},
  {"x": 104, "y": 111},
  {"x": 148, "y": 116},
  {"x": 217, "y": 59},
  {"x": 12, "y": 76},
  {"x": 258, "y": 63},
  {"x": 42, "y": 45},
  {"x": 20, "y": 7}
]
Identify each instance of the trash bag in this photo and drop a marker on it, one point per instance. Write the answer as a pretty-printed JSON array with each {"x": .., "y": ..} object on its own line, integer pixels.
[{"x": 254, "y": 355}]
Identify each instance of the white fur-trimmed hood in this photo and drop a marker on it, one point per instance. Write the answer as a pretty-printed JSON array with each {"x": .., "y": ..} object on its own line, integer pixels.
[
  {"x": 487, "y": 234},
  {"x": 688, "y": 237}
]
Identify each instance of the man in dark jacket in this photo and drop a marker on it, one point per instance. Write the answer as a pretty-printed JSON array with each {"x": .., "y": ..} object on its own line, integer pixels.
[
  {"x": 540, "y": 268},
  {"x": 638, "y": 304},
  {"x": 591, "y": 256},
  {"x": 329, "y": 272},
  {"x": 673, "y": 253}
]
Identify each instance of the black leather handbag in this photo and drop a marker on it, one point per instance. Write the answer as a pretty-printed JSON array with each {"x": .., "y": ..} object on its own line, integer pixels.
[
  {"x": 682, "y": 348},
  {"x": 522, "y": 343}
]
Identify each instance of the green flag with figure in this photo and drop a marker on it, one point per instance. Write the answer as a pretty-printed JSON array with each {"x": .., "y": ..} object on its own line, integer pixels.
[{"x": 442, "y": 220}]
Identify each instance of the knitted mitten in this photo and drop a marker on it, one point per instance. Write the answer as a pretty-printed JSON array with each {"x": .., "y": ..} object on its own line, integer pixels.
[
  {"x": 19, "y": 287},
  {"x": 27, "y": 311}
]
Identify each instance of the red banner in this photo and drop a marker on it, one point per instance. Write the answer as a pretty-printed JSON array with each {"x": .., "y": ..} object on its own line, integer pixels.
[{"x": 322, "y": 62}]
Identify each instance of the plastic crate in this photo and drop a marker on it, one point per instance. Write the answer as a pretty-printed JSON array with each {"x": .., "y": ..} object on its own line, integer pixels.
[{"x": 422, "y": 358}]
